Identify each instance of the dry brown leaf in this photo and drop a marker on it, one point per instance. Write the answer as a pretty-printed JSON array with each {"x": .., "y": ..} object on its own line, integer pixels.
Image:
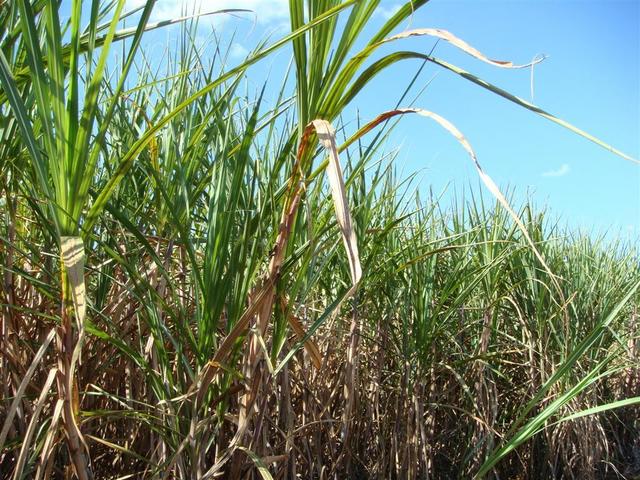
[
  {"x": 309, "y": 345},
  {"x": 72, "y": 251},
  {"x": 327, "y": 136},
  {"x": 209, "y": 372},
  {"x": 49, "y": 441},
  {"x": 459, "y": 43},
  {"x": 19, "y": 394},
  {"x": 34, "y": 424}
]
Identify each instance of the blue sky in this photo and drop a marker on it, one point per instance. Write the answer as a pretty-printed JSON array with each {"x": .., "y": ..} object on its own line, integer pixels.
[{"x": 591, "y": 78}]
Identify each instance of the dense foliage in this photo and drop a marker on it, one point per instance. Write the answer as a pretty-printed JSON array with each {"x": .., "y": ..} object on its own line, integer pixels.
[{"x": 181, "y": 288}]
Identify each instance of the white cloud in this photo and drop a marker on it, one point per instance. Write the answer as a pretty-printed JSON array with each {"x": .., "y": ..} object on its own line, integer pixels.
[
  {"x": 131, "y": 4},
  {"x": 264, "y": 11},
  {"x": 237, "y": 51},
  {"x": 388, "y": 11},
  {"x": 560, "y": 172}
]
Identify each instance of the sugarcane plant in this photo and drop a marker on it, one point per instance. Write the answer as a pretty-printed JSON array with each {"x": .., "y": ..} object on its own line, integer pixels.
[{"x": 260, "y": 293}]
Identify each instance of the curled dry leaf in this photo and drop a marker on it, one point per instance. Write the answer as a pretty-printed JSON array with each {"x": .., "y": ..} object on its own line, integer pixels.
[
  {"x": 327, "y": 136},
  {"x": 486, "y": 179},
  {"x": 459, "y": 43}
]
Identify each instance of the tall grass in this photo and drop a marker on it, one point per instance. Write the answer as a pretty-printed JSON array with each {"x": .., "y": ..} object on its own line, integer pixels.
[{"x": 200, "y": 281}]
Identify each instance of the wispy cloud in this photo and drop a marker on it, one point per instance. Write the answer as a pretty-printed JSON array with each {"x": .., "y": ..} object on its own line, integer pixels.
[
  {"x": 388, "y": 11},
  {"x": 560, "y": 172},
  {"x": 265, "y": 11},
  {"x": 237, "y": 51}
]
